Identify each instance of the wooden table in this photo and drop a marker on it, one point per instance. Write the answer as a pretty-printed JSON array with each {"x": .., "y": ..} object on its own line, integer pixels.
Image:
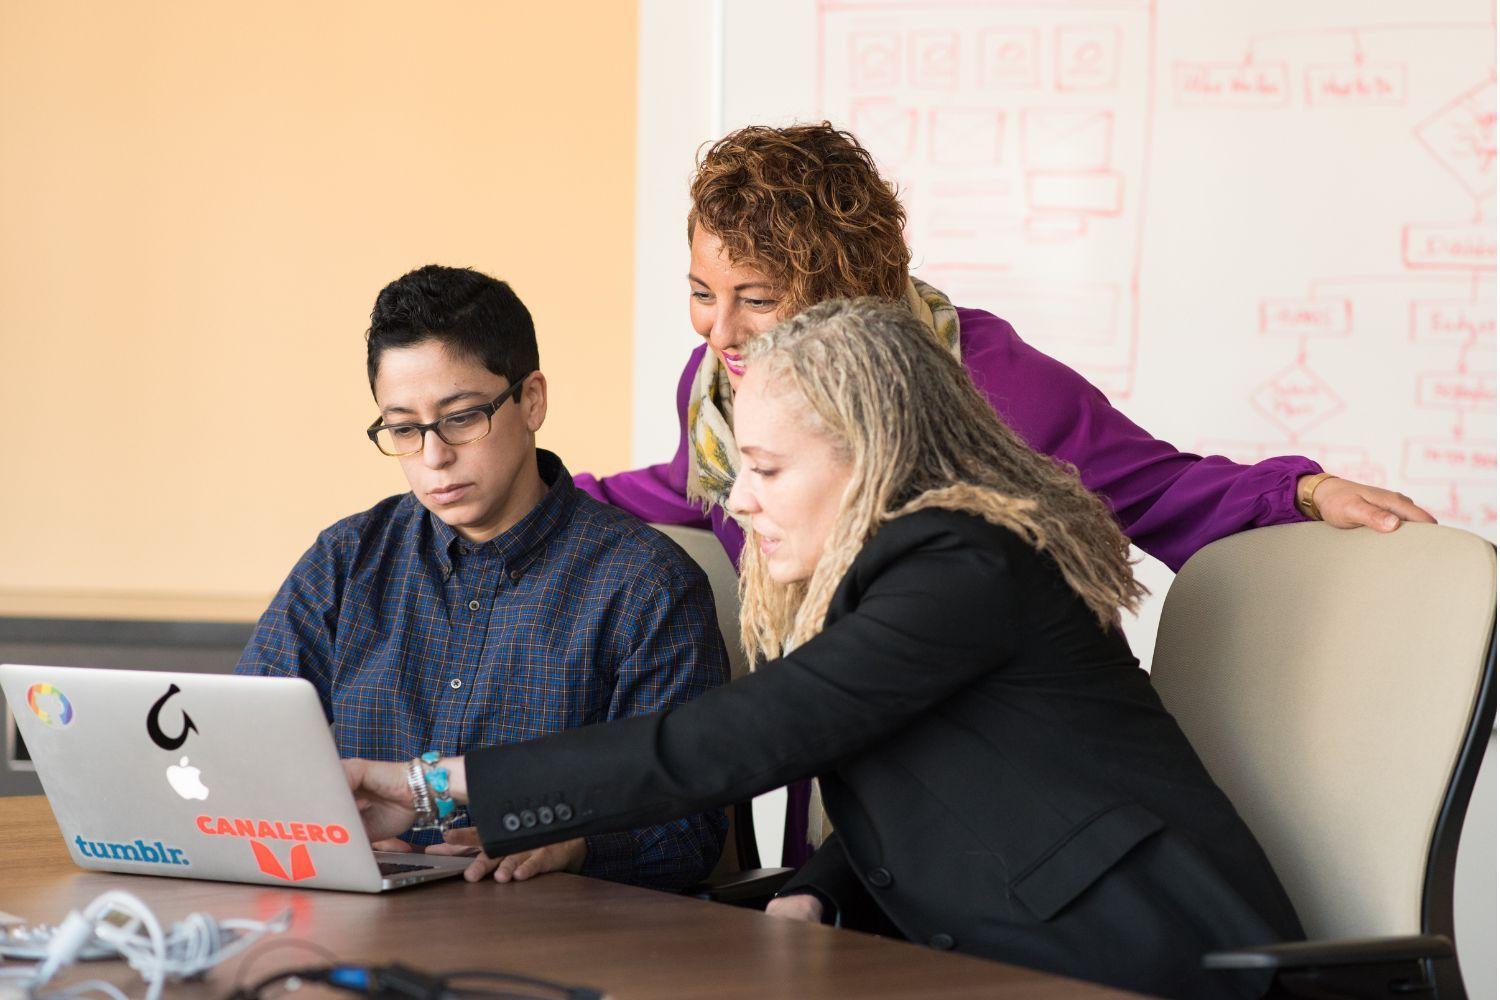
[{"x": 625, "y": 941}]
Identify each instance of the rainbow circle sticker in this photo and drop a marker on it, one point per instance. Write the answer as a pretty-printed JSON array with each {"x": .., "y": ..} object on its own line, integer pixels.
[{"x": 49, "y": 704}]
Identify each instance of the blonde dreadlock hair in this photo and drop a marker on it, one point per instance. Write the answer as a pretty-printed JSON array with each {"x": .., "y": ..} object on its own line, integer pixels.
[{"x": 917, "y": 435}]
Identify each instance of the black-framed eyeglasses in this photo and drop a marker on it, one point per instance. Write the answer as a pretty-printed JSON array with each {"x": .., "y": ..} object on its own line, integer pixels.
[{"x": 459, "y": 427}]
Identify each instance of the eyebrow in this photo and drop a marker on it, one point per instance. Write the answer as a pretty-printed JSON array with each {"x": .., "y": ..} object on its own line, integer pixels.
[
  {"x": 751, "y": 449},
  {"x": 445, "y": 401},
  {"x": 739, "y": 287}
]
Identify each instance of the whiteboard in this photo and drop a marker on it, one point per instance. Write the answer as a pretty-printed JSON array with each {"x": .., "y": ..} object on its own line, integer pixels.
[{"x": 1261, "y": 229}]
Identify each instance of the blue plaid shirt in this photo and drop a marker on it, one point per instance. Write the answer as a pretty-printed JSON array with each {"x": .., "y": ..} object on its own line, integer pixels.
[{"x": 418, "y": 640}]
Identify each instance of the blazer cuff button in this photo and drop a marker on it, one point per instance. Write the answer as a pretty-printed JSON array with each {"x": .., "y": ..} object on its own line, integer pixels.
[{"x": 511, "y": 822}]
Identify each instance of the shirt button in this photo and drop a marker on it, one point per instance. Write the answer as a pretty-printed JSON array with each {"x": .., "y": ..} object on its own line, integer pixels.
[
  {"x": 515, "y": 576},
  {"x": 473, "y": 605},
  {"x": 455, "y": 683},
  {"x": 880, "y": 878}
]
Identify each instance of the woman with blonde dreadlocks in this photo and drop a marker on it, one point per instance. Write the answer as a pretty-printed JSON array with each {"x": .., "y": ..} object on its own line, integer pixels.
[
  {"x": 783, "y": 218},
  {"x": 939, "y": 606}
]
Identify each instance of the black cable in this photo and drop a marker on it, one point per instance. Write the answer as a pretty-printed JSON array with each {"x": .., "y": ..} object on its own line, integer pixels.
[
  {"x": 564, "y": 991},
  {"x": 402, "y": 982},
  {"x": 258, "y": 952},
  {"x": 312, "y": 974}
]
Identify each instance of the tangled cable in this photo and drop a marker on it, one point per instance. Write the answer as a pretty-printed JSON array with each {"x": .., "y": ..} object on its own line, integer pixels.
[{"x": 118, "y": 923}]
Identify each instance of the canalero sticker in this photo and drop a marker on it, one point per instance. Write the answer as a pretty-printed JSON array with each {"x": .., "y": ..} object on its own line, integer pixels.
[{"x": 300, "y": 864}]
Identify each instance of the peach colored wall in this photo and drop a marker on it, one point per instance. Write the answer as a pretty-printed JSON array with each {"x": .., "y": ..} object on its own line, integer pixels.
[{"x": 198, "y": 203}]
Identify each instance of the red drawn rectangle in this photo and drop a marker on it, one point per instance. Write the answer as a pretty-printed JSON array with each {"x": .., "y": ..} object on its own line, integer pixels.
[
  {"x": 1092, "y": 192},
  {"x": 1356, "y": 84},
  {"x": 1346, "y": 462},
  {"x": 936, "y": 59},
  {"x": 965, "y": 136},
  {"x": 1456, "y": 391},
  {"x": 1452, "y": 321},
  {"x": 1237, "y": 85},
  {"x": 1448, "y": 246},
  {"x": 887, "y": 129},
  {"x": 1088, "y": 57},
  {"x": 1055, "y": 228},
  {"x": 874, "y": 60},
  {"x": 1440, "y": 460},
  {"x": 1009, "y": 57},
  {"x": 1307, "y": 317},
  {"x": 1067, "y": 138}
]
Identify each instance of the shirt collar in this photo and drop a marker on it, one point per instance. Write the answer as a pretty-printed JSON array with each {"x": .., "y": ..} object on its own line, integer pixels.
[{"x": 520, "y": 544}]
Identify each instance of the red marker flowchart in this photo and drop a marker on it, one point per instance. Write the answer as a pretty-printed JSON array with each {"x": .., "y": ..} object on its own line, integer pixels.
[
  {"x": 1020, "y": 136},
  {"x": 1445, "y": 288}
]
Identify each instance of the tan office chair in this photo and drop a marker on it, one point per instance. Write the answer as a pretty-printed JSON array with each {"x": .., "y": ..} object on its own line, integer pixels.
[
  {"x": 1340, "y": 688},
  {"x": 738, "y": 878}
]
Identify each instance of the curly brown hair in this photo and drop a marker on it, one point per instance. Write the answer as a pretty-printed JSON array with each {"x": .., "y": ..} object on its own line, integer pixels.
[{"x": 806, "y": 206}]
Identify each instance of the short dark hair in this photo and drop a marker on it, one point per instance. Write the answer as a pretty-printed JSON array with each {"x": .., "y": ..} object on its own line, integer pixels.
[{"x": 470, "y": 313}]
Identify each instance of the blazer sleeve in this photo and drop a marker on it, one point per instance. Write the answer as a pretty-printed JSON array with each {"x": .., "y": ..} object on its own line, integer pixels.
[
  {"x": 829, "y": 876},
  {"x": 931, "y": 612}
]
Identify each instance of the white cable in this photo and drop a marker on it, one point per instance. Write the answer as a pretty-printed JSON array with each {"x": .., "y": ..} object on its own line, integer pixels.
[{"x": 120, "y": 923}]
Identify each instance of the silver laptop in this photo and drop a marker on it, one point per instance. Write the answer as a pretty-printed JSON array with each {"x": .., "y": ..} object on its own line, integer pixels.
[{"x": 200, "y": 776}]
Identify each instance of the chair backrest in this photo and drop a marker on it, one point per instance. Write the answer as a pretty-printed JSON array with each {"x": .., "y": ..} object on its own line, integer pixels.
[
  {"x": 1336, "y": 684},
  {"x": 740, "y": 852},
  {"x": 708, "y": 553}
]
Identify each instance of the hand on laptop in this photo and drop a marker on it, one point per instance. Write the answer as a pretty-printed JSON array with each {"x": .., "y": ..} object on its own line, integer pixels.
[
  {"x": 383, "y": 796},
  {"x": 567, "y": 856}
]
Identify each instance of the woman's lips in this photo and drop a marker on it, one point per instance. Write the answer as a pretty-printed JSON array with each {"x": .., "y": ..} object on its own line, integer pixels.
[
  {"x": 734, "y": 363},
  {"x": 449, "y": 494},
  {"x": 767, "y": 545}
]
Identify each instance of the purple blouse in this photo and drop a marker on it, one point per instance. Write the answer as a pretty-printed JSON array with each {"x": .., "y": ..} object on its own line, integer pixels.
[{"x": 1168, "y": 502}]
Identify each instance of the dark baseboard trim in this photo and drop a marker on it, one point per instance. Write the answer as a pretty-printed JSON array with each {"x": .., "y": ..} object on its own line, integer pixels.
[{"x": 102, "y": 631}]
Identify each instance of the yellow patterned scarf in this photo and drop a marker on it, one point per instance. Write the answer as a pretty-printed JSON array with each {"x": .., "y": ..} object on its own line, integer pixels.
[{"x": 713, "y": 459}]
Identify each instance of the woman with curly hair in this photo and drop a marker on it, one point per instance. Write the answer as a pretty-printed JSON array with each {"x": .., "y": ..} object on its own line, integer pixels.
[
  {"x": 784, "y": 218},
  {"x": 939, "y": 607}
]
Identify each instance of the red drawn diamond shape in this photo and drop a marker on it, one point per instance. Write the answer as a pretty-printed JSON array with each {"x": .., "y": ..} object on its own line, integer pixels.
[
  {"x": 1462, "y": 137},
  {"x": 1296, "y": 400}
]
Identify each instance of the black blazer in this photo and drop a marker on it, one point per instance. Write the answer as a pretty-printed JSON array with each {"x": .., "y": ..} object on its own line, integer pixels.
[{"x": 1002, "y": 777}]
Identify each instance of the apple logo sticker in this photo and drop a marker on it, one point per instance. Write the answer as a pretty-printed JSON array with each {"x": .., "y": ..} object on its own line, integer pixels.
[{"x": 186, "y": 781}]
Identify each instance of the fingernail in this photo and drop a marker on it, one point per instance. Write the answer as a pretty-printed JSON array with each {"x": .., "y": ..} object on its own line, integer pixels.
[{"x": 1392, "y": 521}]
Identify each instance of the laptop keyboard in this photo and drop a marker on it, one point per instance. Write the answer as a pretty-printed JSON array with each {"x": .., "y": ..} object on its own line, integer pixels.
[{"x": 391, "y": 868}]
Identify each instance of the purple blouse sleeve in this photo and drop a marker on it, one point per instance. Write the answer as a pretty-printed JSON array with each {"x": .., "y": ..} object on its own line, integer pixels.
[
  {"x": 657, "y": 493},
  {"x": 1170, "y": 503}
]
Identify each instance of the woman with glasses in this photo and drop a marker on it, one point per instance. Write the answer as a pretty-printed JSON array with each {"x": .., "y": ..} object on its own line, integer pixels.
[
  {"x": 939, "y": 606},
  {"x": 493, "y": 601},
  {"x": 783, "y": 218}
]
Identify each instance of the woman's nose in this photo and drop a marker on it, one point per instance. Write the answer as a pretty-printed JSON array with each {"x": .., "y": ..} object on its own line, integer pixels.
[
  {"x": 436, "y": 452},
  {"x": 740, "y": 501},
  {"x": 724, "y": 333}
]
